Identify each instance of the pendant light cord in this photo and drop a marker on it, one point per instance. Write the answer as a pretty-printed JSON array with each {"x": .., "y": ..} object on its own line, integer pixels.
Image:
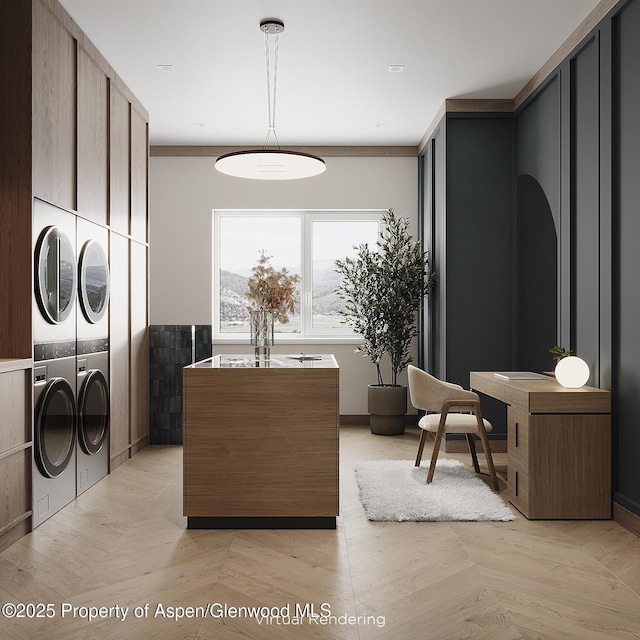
[{"x": 271, "y": 97}]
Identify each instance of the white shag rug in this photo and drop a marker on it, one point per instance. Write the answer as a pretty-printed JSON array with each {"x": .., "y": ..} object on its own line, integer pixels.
[{"x": 395, "y": 491}]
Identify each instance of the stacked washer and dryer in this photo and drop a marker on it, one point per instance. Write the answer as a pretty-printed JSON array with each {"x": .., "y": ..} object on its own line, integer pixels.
[
  {"x": 71, "y": 359},
  {"x": 92, "y": 355}
]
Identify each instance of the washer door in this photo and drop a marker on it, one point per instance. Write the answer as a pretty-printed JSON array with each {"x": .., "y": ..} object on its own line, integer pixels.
[
  {"x": 93, "y": 412},
  {"x": 55, "y": 274},
  {"x": 93, "y": 281},
  {"x": 55, "y": 428}
]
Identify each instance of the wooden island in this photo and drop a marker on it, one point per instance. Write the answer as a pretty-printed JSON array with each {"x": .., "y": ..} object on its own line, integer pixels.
[{"x": 260, "y": 442}]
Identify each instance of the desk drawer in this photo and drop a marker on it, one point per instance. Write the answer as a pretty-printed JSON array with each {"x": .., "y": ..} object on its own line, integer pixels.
[
  {"x": 518, "y": 423},
  {"x": 518, "y": 486}
]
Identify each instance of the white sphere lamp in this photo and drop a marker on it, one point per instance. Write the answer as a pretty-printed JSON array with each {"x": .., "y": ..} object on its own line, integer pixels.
[{"x": 572, "y": 372}]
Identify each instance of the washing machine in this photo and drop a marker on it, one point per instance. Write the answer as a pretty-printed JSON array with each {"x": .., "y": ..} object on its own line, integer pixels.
[
  {"x": 54, "y": 435},
  {"x": 92, "y": 456},
  {"x": 92, "y": 355}
]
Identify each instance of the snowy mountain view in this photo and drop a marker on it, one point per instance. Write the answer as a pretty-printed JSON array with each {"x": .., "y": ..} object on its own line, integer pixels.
[{"x": 234, "y": 317}]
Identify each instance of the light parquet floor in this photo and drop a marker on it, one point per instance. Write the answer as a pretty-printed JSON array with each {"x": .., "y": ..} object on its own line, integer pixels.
[{"x": 124, "y": 543}]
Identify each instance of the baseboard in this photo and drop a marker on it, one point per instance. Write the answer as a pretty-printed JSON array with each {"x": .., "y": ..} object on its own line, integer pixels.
[
  {"x": 118, "y": 459},
  {"x": 627, "y": 519},
  {"x": 461, "y": 446},
  {"x": 139, "y": 444},
  {"x": 8, "y": 537},
  {"x": 410, "y": 420},
  {"x": 354, "y": 421},
  {"x": 249, "y": 522}
]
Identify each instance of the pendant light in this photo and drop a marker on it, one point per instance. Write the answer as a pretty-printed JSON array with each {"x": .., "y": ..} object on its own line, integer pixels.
[{"x": 270, "y": 164}]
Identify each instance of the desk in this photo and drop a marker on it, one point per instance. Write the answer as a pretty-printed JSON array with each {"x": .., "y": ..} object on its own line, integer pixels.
[
  {"x": 261, "y": 442},
  {"x": 558, "y": 447}
]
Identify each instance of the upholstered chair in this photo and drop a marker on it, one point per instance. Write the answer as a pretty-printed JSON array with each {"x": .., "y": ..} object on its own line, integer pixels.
[{"x": 449, "y": 409}]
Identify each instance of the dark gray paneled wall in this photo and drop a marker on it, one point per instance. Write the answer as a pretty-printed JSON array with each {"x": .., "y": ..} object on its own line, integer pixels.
[
  {"x": 626, "y": 156},
  {"x": 576, "y": 218},
  {"x": 439, "y": 247},
  {"x": 468, "y": 195},
  {"x": 537, "y": 228},
  {"x": 536, "y": 274},
  {"x": 479, "y": 165},
  {"x": 596, "y": 160},
  {"x": 538, "y": 142},
  {"x": 585, "y": 206}
]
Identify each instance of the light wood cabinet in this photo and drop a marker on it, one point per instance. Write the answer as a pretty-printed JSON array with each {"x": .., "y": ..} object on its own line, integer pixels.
[
  {"x": 559, "y": 465},
  {"x": 119, "y": 350},
  {"x": 139, "y": 375},
  {"x": 65, "y": 123},
  {"x": 15, "y": 449},
  {"x": 120, "y": 151},
  {"x": 54, "y": 110},
  {"x": 93, "y": 116},
  {"x": 139, "y": 173}
]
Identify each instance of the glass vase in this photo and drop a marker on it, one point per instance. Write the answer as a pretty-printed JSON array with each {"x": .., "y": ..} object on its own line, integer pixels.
[{"x": 261, "y": 329}]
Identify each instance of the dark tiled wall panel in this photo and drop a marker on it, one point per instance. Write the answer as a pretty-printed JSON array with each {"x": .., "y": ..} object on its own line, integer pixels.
[{"x": 171, "y": 349}]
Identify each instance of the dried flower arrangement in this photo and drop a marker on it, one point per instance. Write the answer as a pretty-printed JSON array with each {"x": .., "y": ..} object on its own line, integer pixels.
[{"x": 272, "y": 290}]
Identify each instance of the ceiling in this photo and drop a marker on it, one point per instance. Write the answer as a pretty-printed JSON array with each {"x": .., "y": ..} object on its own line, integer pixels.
[{"x": 334, "y": 84}]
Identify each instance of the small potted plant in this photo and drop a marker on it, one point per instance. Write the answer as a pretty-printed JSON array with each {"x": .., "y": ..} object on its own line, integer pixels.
[
  {"x": 271, "y": 296},
  {"x": 382, "y": 289}
]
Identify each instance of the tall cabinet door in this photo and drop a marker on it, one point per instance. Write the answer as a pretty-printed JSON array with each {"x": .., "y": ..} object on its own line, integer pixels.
[
  {"x": 54, "y": 110},
  {"x": 120, "y": 150},
  {"x": 119, "y": 349},
  {"x": 93, "y": 115},
  {"x": 139, "y": 172},
  {"x": 139, "y": 349}
]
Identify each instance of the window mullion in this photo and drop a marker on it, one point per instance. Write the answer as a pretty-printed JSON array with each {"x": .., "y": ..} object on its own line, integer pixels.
[{"x": 306, "y": 247}]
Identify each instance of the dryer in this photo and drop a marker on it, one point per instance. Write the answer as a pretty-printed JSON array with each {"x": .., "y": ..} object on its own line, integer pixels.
[
  {"x": 92, "y": 355},
  {"x": 54, "y": 437},
  {"x": 55, "y": 279},
  {"x": 93, "y": 280}
]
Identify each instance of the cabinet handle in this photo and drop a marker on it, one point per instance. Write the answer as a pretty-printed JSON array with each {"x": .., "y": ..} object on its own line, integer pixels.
[
  {"x": 516, "y": 434},
  {"x": 516, "y": 483}
]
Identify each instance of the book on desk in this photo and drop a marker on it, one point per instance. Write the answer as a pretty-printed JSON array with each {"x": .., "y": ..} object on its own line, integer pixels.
[{"x": 520, "y": 375}]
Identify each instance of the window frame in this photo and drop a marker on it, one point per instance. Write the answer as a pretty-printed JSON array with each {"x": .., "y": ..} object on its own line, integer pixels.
[{"x": 307, "y": 335}]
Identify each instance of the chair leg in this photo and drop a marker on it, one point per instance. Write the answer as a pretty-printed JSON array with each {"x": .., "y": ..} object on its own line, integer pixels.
[
  {"x": 471, "y": 441},
  {"x": 423, "y": 439},
  {"x": 434, "y": 455},
  {"x": 487, "y": 453}
]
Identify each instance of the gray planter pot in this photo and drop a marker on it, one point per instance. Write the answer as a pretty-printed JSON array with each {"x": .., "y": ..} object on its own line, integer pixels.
[{"x": 387, "y": 406}]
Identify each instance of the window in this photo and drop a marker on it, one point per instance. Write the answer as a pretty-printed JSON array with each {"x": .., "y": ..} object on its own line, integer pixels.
[{"x": 306, "y": 243}]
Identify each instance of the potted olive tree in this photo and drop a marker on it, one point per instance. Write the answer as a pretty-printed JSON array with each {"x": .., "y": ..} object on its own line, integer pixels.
[{"x": 382, "y": 289}]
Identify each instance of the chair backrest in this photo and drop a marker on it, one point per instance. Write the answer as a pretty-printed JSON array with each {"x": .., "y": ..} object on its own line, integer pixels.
[{"x": 428, "y": 393}]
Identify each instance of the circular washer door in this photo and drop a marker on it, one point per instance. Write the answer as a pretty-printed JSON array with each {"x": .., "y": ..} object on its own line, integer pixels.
[
  {"x": 55, "y": 428},
  {"x": 93, "y": 412},
  {"x": 93, "y": 281},
  {"x": 55, "y": 274}
]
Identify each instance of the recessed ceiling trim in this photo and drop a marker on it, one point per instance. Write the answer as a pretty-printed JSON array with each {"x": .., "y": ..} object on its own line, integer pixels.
[
  {"x": 462, "y": 105},
  {"x": 582, "y": 30},
  {"x": 327, "y": 152}
]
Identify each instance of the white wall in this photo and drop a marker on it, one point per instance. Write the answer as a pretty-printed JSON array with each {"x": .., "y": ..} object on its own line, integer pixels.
[{"x": 185, "y": 190}]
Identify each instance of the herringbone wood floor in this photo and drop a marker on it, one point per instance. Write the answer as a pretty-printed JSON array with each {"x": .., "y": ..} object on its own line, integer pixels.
[{"x": 124, "y": 543}]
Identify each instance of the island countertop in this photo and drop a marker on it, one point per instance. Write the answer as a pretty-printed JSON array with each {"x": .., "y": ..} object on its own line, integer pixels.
[
  {"x": 286, "y": 361},
  {"x": 261, "y": 442}
]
